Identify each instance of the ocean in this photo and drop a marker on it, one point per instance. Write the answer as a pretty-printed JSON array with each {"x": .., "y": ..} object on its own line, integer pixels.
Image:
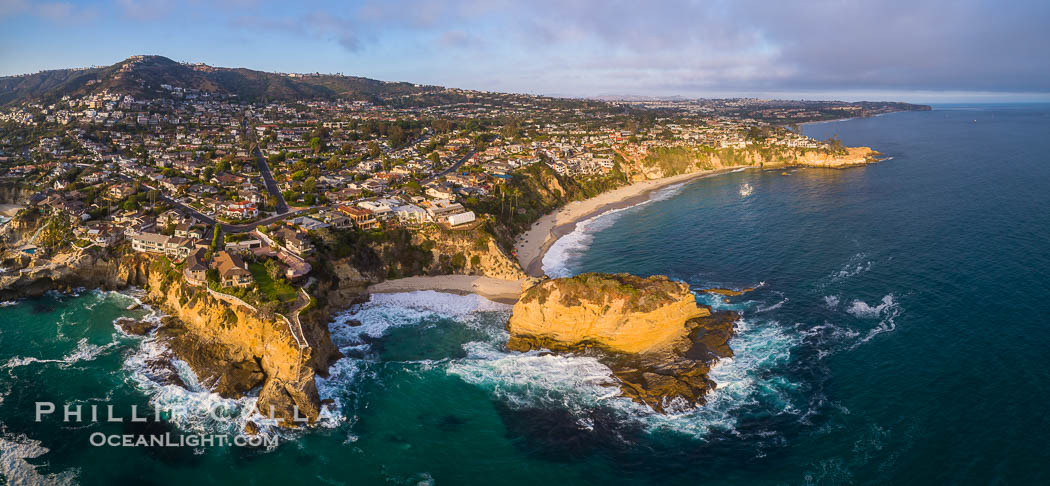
[{"x": 897, "y": 335}]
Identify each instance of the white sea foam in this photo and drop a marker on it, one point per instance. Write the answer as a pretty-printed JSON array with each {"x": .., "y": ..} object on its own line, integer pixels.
[
  {"x": 856, "y": 265},
  {"x": 84, "y": 351},
  {"x": 191, "y": 406},
  {"x": 578, "y": 383},
  {"x": 861, "y": 309},
  {"x": 886, "y": 311},
  {"x": 742, "y": 382},
  {"x": 384, "y": 311},
  {"x": 16, "y": 470},
  {"x": 535, "y": 379},
  {"x": 773, "y": 307},
  {"x": 574, "y": 383},
  {"x": 561, "y": 255},
  {"x": 832, "y": 301}
]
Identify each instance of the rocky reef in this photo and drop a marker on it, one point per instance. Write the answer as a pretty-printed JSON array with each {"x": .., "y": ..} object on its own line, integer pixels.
[{"x": 650, "y": 331}]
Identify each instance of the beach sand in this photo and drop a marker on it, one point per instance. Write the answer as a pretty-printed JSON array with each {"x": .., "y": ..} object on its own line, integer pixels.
[
  {"x": 534, "y": 243},
  {"x": 497, "y": 290},
  {"x": 9, "y": 210}
]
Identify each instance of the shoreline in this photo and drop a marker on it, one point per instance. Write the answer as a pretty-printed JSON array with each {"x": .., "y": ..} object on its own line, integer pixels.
[
  {"x": 532, "y": 245},
  {"x": 494, "y": 289}
]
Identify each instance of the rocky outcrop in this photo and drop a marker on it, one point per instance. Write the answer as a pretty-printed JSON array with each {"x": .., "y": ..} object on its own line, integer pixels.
[
  {"x": 659, "y": 343},
  {"x": 467, "y": 252},
  {"x": 92, "y": 268},
  {"x": 233, "y": 349},
  {"x": 683, "y": 160}
]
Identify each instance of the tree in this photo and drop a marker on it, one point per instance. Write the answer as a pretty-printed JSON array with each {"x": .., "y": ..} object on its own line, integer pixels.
[
  {"x": 273, "y": 269},
  {"x": 835, "y": 144},
  {"x": 373, "y": 149},
  {"x": 317, "y": 145},
  {"x": 216, "y": 238}
]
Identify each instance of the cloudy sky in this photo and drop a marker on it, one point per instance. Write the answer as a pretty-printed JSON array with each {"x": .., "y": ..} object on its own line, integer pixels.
[{"x": 914, "y": 50}]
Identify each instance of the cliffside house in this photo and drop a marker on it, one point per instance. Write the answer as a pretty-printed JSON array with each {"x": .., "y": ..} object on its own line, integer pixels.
[
  {"x": 294, "y": 241},
  {"x": 362, "y": 218},
  {"x": 196, "y": 270},
  {"x": 175, "y": 248},
  {"x": 232, "y": 270}
]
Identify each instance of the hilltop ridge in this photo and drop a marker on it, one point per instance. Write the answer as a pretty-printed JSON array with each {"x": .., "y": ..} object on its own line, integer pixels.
[{"x": 143, "y": 76}]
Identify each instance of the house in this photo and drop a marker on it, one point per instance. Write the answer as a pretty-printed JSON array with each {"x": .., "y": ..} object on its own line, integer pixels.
[
  {"x": 107, "y": 237},
  {"x": 411, "y": 214},
  {"x": 307, "y": 223},
  {"x": 232, "y": 270},
  {"x": 196, "y": 270},
  {"x": 335, "y": 219},
  {"x": 362, "y": 218},
  {"x": 440, "y": 209},
  {"x": 156, "y": 243},
  {"x": 241, "y": 210},
  {"x": 188, "y": 231},
  {"x": 294, "y": 241}
]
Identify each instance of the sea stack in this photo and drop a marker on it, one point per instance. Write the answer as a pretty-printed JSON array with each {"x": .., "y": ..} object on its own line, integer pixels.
[{"x": 650, "y": 331}]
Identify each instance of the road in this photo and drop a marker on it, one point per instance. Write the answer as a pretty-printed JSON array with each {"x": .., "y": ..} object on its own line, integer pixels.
[
  {"x": 449, "y": 170},
  {"x": 264, "y": 168},
  {"x": 228, "y": 228},
  {"x": 271, "y": 185}
]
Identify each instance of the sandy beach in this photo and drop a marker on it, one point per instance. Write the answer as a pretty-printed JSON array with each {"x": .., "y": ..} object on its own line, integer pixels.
[
  {"x": 534, "y": 243},
  {"x": 497, "y": 290},
  {"x": 9, "y": 210}
]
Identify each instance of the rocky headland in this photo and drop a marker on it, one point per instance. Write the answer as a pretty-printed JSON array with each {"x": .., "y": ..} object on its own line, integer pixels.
[
  {"x": 651, "y": 333},
  {"x": 233, "y": 347}
]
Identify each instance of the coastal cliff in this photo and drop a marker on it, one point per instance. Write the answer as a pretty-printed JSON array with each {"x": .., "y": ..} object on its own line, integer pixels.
[
  {"x": 668, "y": 162},
  {"x": 650, "y": 331},
  {"x": 231, "y": 346}
]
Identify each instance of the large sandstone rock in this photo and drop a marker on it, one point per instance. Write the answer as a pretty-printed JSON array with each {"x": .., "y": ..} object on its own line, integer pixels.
[
  {"x": 658, "y": 342},
  {"x": 620, "y": 313}
]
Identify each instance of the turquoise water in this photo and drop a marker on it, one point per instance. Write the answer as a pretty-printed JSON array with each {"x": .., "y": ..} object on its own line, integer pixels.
[{"x": 898, "y": 335}]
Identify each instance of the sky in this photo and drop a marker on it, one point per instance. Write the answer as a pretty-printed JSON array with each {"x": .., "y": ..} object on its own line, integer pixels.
[{"x": 908, "y": 50}]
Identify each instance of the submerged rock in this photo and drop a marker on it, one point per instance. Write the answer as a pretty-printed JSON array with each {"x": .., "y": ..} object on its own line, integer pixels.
[
  {"x": 135, "y": 327},
  {"x": 650, "y": 331}
]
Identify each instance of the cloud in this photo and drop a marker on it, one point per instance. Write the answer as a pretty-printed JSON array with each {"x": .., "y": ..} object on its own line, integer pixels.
[
  {"x": 316, "y": 25},
  {"x": 146, "y": 9},
  {"x": 53, "y": 11}
]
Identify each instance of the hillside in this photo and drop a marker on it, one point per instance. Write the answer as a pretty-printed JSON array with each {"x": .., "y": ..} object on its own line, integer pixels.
[{"x": 142, "y": 76}]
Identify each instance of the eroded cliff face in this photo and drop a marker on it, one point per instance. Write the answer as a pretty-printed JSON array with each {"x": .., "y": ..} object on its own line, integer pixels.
[
  {"x": 479, "y": 252},
  {"x": 658, "y": 342},
  {"x": 620, "y": 313},
  {"x": 93, "y": 268},
  {"x": 687, "y": 161},
  {"x": 233, "y": 349}
]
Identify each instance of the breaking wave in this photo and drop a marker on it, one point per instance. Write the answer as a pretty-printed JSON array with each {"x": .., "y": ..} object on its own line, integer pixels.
[
  {"x": 16, "y": 469},
  {"x": 886, "y": 311},
  {"x": 576, "y": 384},
  {"x": 84, "y": 351},
  {"x": 563, "y": 254}
]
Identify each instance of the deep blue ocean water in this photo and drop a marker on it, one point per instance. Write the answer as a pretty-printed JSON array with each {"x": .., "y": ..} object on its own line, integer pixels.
[{"x": 898, "y": 335}]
